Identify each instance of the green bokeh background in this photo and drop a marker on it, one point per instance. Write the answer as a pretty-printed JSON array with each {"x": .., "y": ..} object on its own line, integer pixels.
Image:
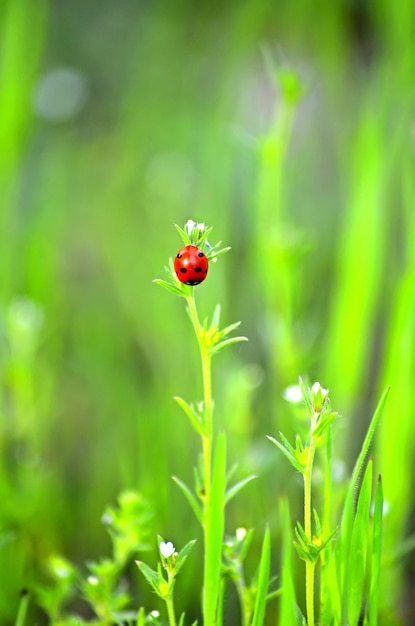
[{"x": 289, "y": 127}]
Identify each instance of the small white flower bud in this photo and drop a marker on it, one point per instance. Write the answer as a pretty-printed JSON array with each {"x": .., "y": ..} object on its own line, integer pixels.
[{"x": 166, "y": 549}]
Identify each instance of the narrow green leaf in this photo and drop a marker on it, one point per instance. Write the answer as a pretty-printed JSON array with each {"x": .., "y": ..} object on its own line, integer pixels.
[
  {"x": 151, "y": 576},
  {"x": 246, "y": 544},
  {"x": 368, "y": 440},
  {"x": 227, "y": 342},
  {"x": 183, "y": 554},
  {"x": 355, "y": 577},
  {"x": 215, "y": 318},
  {"x": 214, "y": 531},
  {"x": 228, "y": 329},
  {"x": 181, "y": 620},
  {"x": 216, "y": 253},
  {"x": 376, "y": 555},
  {"x": 197, "y": 510},
  {"x": 205, "y": 235},
  {"x": 288, "y": 451},
  {"x": 231, "y": 472},
  {"x": 325, "y": 423},
  {"x": 287, "y": 614},
  {"x": 191, "y": 414},
  {"x": 263, "y": 581},
  {"x": 232, "y": 491},
  {"x": 343, "y": 543},
  {"x": 169, "y": 286},
  {"x": 273, "y": 594},
  {"x": 183, "y": 235}
]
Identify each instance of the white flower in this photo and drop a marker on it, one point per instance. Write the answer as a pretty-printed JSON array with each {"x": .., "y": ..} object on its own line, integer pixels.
[
  {"x": 155, "y": 614},
  {"x": 166, "y": 549},
  {"x": 93, "y": 580},
  {"x": 189, "y": 226},
  {"x": 316, "y": 388}
]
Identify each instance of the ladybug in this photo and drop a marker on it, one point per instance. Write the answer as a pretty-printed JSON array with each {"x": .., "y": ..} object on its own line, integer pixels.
[{"x": 191, "y": 265}]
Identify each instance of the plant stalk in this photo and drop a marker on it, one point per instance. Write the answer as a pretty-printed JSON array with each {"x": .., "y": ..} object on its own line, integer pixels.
[
  {"x": 170, "y": 608},
  {"x": 207, "y": 438}
]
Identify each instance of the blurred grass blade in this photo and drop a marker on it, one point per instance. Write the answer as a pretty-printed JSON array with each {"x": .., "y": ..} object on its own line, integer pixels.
[
  {"x": 343, "y": 543},
  {"x": 287, "y": 613},
  {"x": 214, "y": 531},
  {"x": 263, "y": 581},
  {"x": 367, "y": 441},
  {"x": 354, "y": 583},
  {"x": 141, "y": 617},
  {"x": 362, "y": 234},
  {"x": 23, "y": 606},
  {"x": 376, "y": 555}
]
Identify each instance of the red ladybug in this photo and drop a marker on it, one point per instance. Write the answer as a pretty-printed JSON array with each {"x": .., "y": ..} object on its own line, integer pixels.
[{"x": 191, "y": 265}]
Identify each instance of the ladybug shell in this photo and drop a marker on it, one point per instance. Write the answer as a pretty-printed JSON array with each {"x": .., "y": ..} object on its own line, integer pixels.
[{"x": 191, "y": 265}]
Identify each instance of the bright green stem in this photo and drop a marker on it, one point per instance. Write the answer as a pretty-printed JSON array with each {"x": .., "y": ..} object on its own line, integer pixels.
[
  {"x": 170, "y": 605},
  {"x": 207, "y": 438},
  {"x": 309, "y": 567}
]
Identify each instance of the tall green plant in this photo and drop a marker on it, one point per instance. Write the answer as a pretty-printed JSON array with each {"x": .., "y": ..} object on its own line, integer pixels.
[
  {"x": 349, "y": 580},
  {"x": 212, "y": 490}
]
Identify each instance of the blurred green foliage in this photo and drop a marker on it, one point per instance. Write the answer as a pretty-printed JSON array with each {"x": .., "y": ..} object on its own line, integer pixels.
[{"x": 289, "y": 127}]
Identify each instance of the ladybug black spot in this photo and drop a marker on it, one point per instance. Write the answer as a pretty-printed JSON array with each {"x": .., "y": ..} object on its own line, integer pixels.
[
  {"x": 183, "y": 270},
  {"x": 198, "y": 270},
  {"x": 201, "y": 254},
  {"x": 179, "y": 256}
]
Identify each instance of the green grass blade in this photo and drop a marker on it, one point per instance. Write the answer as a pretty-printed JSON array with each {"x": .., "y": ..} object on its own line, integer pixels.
[
  {"x": 367, "y": 441},
  {"x": 263, "y": 581},
  {"x": 141, "y": 617},
  {"x": 23, "y": 606},
  {"x": 214, "y": 531},
  {"x": 343, "y": 544},
  {"x": 354, "y": 583},
  {"x": 376, "y": 555},
  {"x": 288, "y": 614}
]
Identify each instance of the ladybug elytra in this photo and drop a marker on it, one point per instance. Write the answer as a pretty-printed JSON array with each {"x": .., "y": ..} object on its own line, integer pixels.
[{"x": 191, "y": 265}]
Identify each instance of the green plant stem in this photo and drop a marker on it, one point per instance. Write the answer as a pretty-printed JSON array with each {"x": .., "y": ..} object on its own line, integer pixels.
[
  {"x": 207, "y": 394},
  {"x": 170, "y": 609},
  {"x": 207, "y": 437},
  {"x": 309, "y": 566}
]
